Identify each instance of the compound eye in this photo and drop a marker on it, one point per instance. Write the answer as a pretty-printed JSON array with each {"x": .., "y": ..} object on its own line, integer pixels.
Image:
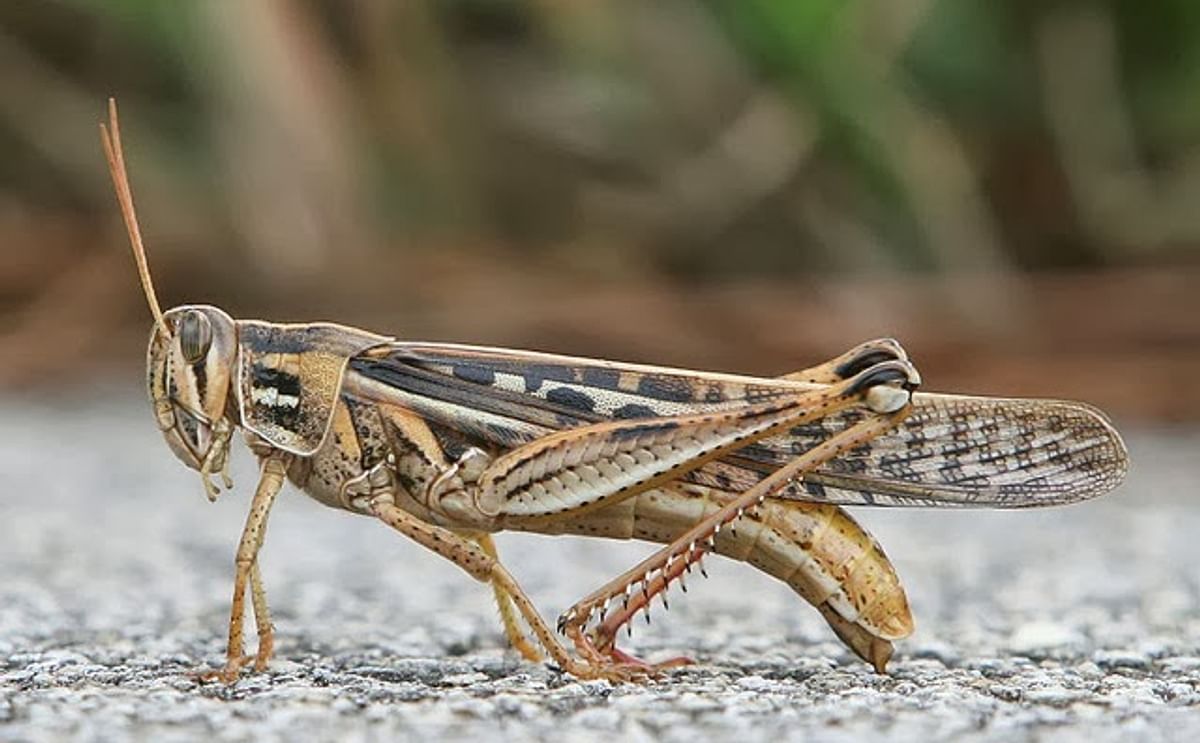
[{"x": 195, "y": 336}]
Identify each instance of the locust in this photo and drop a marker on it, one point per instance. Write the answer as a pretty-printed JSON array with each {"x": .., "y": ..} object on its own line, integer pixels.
[{"x": 449, "y": 444}]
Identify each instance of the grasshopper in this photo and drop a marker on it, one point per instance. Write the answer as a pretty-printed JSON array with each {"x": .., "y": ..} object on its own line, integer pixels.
[{"x": 448, "y": 444}]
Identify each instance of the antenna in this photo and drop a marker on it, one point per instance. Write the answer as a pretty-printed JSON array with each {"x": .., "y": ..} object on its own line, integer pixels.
[{"x": 110, "y": 136}]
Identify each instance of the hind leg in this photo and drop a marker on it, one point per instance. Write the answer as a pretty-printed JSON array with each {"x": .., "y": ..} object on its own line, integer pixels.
[{"x": 669, "y": 564}]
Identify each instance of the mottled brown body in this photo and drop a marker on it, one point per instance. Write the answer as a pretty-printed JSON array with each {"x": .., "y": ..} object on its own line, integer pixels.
[
  {"x": 818, "y": 550},
  {"x": 447, "y": 444},
  {"x": 444, "y": 399}
]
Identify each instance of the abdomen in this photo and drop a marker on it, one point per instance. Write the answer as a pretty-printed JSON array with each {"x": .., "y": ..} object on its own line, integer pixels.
[{"x": 818, "y": 550}]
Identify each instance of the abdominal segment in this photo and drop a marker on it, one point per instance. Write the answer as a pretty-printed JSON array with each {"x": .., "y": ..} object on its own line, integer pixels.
[{"x": 817, "y": 549}]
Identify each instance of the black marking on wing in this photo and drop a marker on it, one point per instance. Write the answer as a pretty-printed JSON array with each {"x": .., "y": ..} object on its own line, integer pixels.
[
  {"x": 535, "y": 375},
  {"x": 605, "y": 379},
  {"x": 571, "y": 398},
  {"x": 533, "y": 381},
  {"x": 633, "y": 410},
  {"x": 663, "y": 387},
  {"x": 474, "y": 373}
]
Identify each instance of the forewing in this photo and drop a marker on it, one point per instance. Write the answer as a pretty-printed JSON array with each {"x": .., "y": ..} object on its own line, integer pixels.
[{"x": 953, "y": 450}]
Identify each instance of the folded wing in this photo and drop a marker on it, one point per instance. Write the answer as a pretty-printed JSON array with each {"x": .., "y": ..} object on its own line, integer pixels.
[{"x": 953, "y": 450}]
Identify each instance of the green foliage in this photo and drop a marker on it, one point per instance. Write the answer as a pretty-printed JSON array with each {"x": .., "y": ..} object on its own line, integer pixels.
[{"x": 541, "y": 125}]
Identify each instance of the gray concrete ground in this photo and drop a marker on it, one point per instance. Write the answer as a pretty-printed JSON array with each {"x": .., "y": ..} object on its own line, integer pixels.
[{"x": 1069, "y": 624}]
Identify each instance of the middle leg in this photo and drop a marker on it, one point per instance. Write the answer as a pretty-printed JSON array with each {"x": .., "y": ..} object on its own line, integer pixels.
[
  {"x": 504, "y": 603},
  {"x": 479, "y": 565}
]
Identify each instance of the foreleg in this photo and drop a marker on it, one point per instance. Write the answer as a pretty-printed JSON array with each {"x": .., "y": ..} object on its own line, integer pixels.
[
  {"x": 262, "y": 619},
  {"x": 274, "y": 470}
]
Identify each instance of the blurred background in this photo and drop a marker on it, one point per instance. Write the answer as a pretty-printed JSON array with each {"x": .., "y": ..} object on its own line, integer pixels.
[{"x": 1011, "y": 189}]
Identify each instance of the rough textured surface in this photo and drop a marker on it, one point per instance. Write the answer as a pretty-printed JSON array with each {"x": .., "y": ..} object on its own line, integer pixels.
[{"x": 1066, "y": 624}]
